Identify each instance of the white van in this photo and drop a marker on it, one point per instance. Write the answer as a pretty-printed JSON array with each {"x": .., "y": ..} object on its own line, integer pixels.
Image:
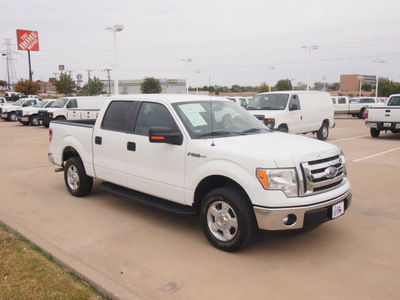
[
  {"x": 295, "y": 111},
  {"x": 60, "y": 108}
]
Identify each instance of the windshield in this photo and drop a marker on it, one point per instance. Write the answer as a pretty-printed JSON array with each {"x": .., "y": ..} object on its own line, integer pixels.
[
  {"x": 367, "y": 100},
  {"x": 19, "y": 102},
  {"x": 268, "y": 102},
  {"x": 59, "y": 103},
  {"x": 203, "y": 119},
  {"x": 41, "y": 104}
]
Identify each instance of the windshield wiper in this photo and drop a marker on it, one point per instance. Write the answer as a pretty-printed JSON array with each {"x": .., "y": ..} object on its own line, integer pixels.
[
  {"x": 251, "y": 130},
  {"x": 269, "y": 108},
  {"x": 217, "y": 133}
]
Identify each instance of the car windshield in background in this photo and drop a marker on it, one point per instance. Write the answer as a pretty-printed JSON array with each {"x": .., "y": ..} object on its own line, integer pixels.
[
  {"x": 204, "y": 119},
  {"x": 41, "y": 104},
  {"x": 19, "y": 102},
  {"x": 367, "y": 100},
  {"x": 268, "y": 102},
  {"x": 59, "y": 103}
]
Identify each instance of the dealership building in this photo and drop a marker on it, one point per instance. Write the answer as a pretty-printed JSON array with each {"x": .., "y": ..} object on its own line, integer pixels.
[
  {"x": 351, "y": 83},
  {"x": 168, "y": 86}
]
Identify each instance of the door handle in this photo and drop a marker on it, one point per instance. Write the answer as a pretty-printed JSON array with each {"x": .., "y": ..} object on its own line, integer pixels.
[
  {"x": 98, "y": 140},
  {"x": 131, "y": 146}
]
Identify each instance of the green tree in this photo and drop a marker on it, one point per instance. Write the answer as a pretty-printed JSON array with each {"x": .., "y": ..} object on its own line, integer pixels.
[
  {"x": 319, "y": 86},
  {"x": 284, "y": 85},
  {"x": 27, "y": 87},
  {"x": 93, "y": 87},
  {"x": 263, "y": 88},
  {"x": 366, "y": 87},
  {"x": 3, "y": 83},
  {"x": 65, "y": 84},
  {"x": 150, "y": 85}
]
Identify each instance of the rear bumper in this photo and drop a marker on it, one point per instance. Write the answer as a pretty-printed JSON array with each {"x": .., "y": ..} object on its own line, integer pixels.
[
  {"x": 272, "y": 218},
  {"x": 381, "y": 125}
]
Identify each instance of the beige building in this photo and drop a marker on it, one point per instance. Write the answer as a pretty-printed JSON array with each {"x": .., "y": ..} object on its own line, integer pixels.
[{"x": 350, "y": 84}]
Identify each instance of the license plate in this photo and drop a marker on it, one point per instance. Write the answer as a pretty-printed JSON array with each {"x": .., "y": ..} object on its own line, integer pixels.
[
  {"x": 387, "y": 124},
  {"x": 337, "y": 210}
]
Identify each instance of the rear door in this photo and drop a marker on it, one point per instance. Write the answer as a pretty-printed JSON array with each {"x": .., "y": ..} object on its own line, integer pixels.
[{"x": 110, "y": 142}]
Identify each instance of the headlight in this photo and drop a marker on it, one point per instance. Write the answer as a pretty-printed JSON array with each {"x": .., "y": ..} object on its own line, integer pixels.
[
  {"x": 343, "y": 163},
  {"x": 279, "y": 179}
]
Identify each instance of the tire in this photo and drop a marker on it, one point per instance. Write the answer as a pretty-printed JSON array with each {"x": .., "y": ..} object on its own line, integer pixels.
[
  {"x": 283, "y": 129},
  {"x": 34, "y": 121},
  {"x": 375, "y": 132},
  {"x": 12, "y": 116},
  {"x": 61, "y": 118},
  {"x": 25, "y": 123},
  {"x": 227, "y": 219},
  {"x": 76, "y": 179},
  {"x": 361, "y": 115},
  {"x": 323, "y": 132}
]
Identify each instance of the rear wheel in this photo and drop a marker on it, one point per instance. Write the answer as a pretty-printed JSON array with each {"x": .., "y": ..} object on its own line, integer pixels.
[
  {"x": 375, "y": 132},
  {"x": 227, "y": 219},
  {"x": 283, "y": 129},
  {"x": 78, "y": 183},
  {"x": 361, "y": 115},
  {"x": 323, "y": 132}
]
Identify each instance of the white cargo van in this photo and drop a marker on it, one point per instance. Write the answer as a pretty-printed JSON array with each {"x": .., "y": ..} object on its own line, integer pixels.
[
  {"x": 295, "y": 111},
  {"x": 59, "y": 109}
]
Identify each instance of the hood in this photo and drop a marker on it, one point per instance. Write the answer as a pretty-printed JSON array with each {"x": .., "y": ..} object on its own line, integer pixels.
[
  {"x": 286, "y": 150},
  {"x": 266, "y": 113}
]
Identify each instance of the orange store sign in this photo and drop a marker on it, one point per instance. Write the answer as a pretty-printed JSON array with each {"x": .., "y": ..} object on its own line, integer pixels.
[{"x": 28, "y": 40}]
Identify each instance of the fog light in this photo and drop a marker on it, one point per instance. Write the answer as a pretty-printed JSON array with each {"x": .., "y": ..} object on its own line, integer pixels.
[{"x": 290, "y": 220}]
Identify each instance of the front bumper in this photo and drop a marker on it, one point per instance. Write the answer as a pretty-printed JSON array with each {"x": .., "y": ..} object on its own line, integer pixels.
[
  {"x": 315, "y": 214},
  {"x": 4, "y": 116}
]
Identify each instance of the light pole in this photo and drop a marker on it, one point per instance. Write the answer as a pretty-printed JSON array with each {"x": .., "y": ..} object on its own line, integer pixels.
[
  {"x": 270, "y": 68},
  {"x": 324, "y": 79},
  {"x": 378, "y": 61},
  {"x": 8, "y": 73},
  {"x": 116, "y": 28},
  {"x": 292, "y": 80},
  {"x": 187, "y": 60},
  {"x": 309, "y": 49},
  {"x": 197, "y": 84}
]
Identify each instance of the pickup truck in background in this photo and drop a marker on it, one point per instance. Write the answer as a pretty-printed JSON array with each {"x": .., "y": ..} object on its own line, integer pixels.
[
  {"x": 192, "y": 154},
  {"x": 60, "y": 108},
  {"x": 9, "y": 111},
  {"x": 385, "y": 118},
  {"x": 29, "y": 115},
  {"x": 342, "y": 105}
]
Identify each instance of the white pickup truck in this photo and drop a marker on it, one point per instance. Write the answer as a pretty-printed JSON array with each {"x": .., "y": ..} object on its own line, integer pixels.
[
  {"x": 342, "y": 105},
  {"x": 385, "y": 118},
  {"x": 193, "y": 154}
]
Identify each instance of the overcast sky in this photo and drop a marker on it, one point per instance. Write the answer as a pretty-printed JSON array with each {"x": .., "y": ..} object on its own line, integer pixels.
[{"x": 230, "y": 42}]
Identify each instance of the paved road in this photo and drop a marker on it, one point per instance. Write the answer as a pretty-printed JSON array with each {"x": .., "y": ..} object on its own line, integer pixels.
[{"x": 131, "y": 251}]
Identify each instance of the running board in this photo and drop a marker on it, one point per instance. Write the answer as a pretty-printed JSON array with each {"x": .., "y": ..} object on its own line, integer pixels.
[{"x": 147, "y": 199}]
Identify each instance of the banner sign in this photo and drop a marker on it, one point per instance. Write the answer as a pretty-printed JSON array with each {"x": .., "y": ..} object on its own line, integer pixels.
[{"x": 28, "y": 40}]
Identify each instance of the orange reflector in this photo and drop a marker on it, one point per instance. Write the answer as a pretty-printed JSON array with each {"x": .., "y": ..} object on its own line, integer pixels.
[
  {"x": 157, "y": 138},
  {"x": 263, "y": 177}
]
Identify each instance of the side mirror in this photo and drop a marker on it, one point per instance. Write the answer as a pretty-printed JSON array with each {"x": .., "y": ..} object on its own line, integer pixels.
[{"x": 165, "y": 135}]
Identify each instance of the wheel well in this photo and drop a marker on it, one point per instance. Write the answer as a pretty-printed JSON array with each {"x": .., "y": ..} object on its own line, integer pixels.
[
  {"x": 326, "y": 121},
  {"x": 68, "y": 153},
  {"x": 212, "y": 182},
  {"x": 283, "y": 126}
]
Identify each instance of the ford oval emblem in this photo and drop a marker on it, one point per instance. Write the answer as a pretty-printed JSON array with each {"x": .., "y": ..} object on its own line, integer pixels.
[{"x": 331, "y": 172}]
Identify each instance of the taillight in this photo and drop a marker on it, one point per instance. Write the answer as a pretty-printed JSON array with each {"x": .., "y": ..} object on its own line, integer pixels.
[
  {"x": 366, "y": 114},
  {"x": 50, "y": 134}
]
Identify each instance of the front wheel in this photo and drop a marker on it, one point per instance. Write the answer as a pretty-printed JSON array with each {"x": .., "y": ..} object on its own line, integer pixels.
[
  {"x": 12, "y": 116},
  {"x": 78, "y": 183},
  {"x": 227, "y": 219},
  {"x": 323, "y": 132},
  {"x": 375, "y": 132},
  {"x": 34, "y": 121}
]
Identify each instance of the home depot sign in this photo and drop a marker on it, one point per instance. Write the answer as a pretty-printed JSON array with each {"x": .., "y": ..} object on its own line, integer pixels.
[{"x": 28, "y": 40}]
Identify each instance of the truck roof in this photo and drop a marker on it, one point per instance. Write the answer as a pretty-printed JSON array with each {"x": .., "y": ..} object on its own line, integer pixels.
[{"x": 167, "y": 98}]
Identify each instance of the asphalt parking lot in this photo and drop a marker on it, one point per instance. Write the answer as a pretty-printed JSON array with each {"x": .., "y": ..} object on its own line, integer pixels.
[{"x": 128, "y": 250}]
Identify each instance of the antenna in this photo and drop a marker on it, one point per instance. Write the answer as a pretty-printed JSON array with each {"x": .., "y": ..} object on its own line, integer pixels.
[{"x": 212, "y": 124}]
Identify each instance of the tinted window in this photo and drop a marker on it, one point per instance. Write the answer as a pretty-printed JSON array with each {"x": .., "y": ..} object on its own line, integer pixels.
[
  {"x": 153, "y": 115},
  {"x": 342, "y": 100},
  {"x": 294, "y": 103},
  {"x": 72, "y": 103},
  {"x": 118, "y": 116}
]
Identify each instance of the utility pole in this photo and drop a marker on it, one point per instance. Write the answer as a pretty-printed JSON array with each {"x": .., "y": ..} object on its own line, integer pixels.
[
  {"x": 89, "y": 73},
  {"x": 8, "y": 53}
]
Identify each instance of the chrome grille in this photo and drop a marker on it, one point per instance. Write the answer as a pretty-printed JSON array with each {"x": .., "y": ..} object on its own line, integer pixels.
[
  {"x": 19, "y": 113},
  {"x": 322, "y": 175}
]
